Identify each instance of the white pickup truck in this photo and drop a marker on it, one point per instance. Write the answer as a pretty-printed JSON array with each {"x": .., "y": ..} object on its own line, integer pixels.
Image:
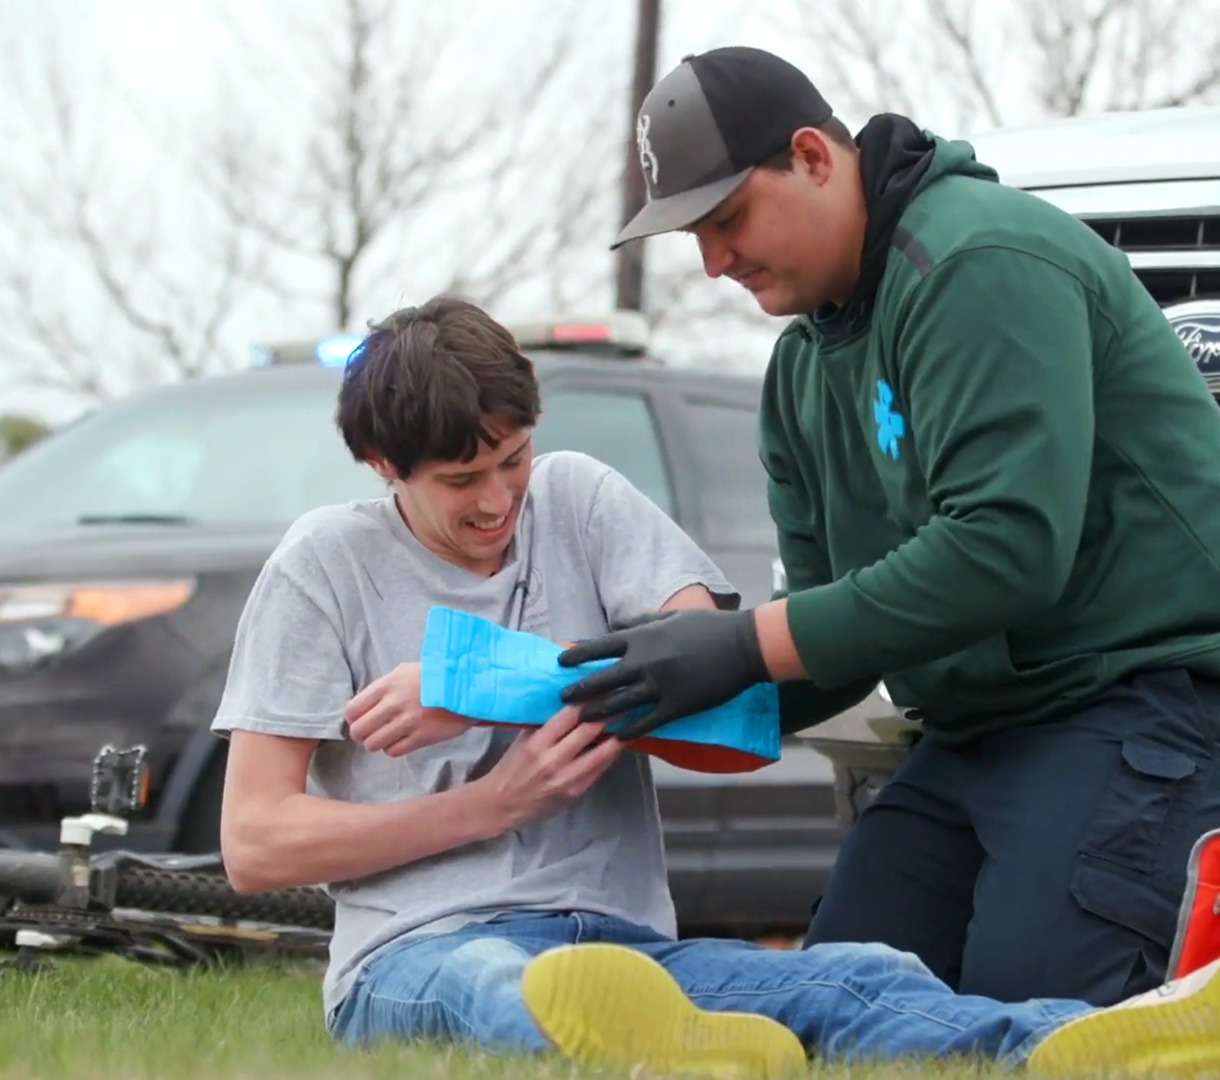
[{"x": 1149, "y": 183}]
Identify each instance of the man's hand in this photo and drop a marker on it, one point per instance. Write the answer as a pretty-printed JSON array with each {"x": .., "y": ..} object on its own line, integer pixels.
[
  {"x": 547, "y": 768},
  {"x": 681, "y": 662},
  {"x": 386, "y": 715}
]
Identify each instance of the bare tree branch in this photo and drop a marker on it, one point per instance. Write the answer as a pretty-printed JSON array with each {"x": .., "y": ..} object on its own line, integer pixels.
[
  {"x": 116, "y": 255},
  {"x": 49, "y": 352},
  {"x": 850, "y": 43},
  {"x": 387, "y": 147},
  {"x": 1070, "y": 40},
  {"x": 1066, "y": 56},
  {"x": 957, "y": 29},
  {"x": 1159, "y": 32}
]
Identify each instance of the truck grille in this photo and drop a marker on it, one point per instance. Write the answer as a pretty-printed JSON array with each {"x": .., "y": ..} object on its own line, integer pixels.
[
  {"x": 1174, "y": 286},
  {"x": 1158, "y": 245},
  {"x": 1160, "y": 233}
]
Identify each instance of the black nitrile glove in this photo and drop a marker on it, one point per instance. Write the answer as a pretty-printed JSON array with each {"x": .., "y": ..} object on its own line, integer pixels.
[{"x": 681, "y": 662}]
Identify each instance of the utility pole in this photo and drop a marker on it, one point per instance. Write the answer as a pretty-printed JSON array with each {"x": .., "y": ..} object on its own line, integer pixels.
[{"x": 629, "y": 277}]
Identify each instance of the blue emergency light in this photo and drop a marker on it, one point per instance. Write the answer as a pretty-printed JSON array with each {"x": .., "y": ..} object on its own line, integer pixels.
[{"x": 335, "y": 351}]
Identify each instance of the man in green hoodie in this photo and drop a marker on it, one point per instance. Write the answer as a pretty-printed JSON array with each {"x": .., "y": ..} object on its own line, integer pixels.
[{"x": 995, "y": 475}]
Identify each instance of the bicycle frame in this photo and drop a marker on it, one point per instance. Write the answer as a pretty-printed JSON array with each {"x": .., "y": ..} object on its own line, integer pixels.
[{"x": 169, "y": 909}]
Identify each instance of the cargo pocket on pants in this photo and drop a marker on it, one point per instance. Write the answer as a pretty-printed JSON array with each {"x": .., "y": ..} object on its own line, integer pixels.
[
  {"x": 1146, "y": 789},
  {"x": 1134, "y": 955},
  {"x": 1118, "y": 874},
  {"x": 1139, "y": 902}
]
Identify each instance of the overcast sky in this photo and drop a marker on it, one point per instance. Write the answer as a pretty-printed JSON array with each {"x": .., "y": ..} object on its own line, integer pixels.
[{"x": 173, "y": 59}]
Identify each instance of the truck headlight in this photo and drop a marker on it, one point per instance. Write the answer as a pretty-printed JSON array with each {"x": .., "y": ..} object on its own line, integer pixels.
[{"x": 40, "y": 623}]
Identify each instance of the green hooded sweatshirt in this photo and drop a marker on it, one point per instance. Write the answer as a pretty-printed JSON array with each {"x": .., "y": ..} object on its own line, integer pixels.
[{"x": 998, "y": 487}]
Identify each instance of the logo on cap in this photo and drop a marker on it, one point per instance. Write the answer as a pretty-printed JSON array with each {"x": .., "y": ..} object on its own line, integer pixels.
[{"x": 648, "y": 160}]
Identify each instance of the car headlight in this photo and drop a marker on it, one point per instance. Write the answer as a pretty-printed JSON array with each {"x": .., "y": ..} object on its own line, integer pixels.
[{"x": 40, "y": 623}]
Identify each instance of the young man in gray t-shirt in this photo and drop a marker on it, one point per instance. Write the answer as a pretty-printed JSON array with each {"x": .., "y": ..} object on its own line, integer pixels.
[{"x": 457, "y": 854}]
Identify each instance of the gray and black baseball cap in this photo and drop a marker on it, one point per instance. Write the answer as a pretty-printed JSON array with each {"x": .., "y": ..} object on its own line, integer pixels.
[{"x": 705, "y": 126}]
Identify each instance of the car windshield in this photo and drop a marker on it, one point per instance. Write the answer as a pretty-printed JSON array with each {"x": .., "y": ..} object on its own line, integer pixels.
[{"x": 211, "y": 459}]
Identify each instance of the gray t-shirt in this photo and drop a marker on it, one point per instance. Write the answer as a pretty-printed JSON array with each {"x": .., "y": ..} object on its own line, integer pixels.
[{"x": 343, "y": 600}]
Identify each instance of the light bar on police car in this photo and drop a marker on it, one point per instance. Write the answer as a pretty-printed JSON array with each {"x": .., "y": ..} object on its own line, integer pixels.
[
  {"x": 622, "y": 331},
  {"x": 335, "y": 351}
]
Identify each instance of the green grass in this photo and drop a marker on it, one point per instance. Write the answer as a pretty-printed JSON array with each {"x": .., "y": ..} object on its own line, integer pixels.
[{"x": 110, "y": 1019}]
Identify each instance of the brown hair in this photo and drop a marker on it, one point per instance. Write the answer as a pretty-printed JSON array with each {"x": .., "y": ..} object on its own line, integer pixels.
[
  {"x": 834, "y": 129},
  {"x": 425, "y": 381}
]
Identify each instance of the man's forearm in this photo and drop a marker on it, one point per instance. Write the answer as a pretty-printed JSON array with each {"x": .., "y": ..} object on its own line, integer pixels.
[
  {"x": 802, "y": 704},
  {"x": 775, "y": 638},
  {"x": 307, "y": 840}
]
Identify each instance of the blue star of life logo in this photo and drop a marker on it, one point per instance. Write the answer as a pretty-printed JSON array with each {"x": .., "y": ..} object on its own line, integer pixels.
[{"x": 890, "y": 425}]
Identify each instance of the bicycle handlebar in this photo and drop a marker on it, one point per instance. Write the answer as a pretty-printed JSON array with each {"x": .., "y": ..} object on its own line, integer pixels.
[
  {"x": 123, "y": 899},
  {"x": 33, "y": 877}
]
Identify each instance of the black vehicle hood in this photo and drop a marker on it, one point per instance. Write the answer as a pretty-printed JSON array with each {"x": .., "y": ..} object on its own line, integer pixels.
[{"x": 113, "y": 551}]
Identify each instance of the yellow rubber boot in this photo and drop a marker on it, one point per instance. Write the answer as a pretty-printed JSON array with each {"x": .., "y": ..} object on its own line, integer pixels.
[{"x": 609, "y": 1006}]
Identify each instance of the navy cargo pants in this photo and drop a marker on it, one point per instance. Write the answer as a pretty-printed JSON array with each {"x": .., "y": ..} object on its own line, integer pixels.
[{"x": 1047, "y": 861}]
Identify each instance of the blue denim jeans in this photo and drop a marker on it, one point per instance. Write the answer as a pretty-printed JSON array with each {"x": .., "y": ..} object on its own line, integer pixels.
[{"x": 845, "y": 1002}]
